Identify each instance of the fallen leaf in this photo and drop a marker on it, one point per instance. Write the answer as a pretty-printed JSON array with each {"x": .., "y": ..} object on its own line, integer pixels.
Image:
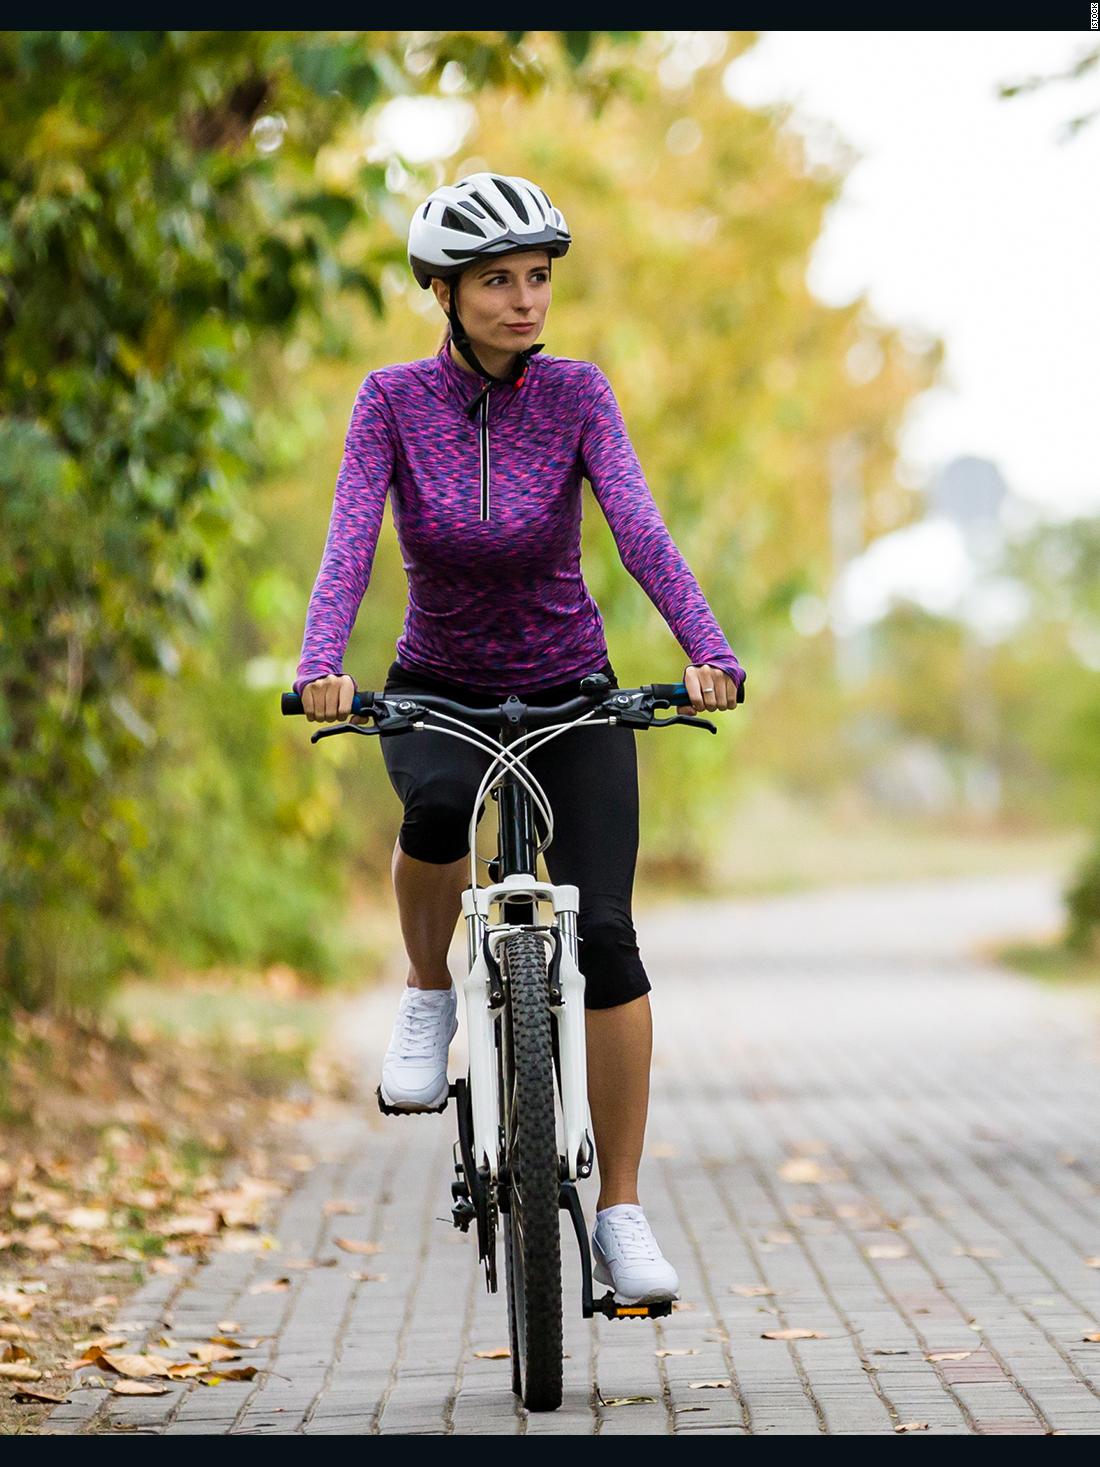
[
  {"x": 16, "y": 1370},
  {"x": 708, "y": 1385},
  {"x": 752, "y": 1291},
  {"x": 682, "y": 1410},
  {"x": 15, "y": 1352},
  {"x": 137, "y": 1388},
  {"x": 1093, "y": 1339},
  {"x": 500, "y": 1353},
  {"x": 229, "y": 1326},
  {"x": 336, "y": 1208},
  {"x": 628, "y": 1401},
  {"x": 976, "y": 1252},
  {"x": 663, "y": 1354},
  {"x": 911, "y": 1426},
  {"x": 683, "y": 1306},
  {"x": 241, "y": 1372},
  {"x": 271, "y": 1286},
  {"x": 137, "y": 1367},
  {"x": 1092, "y": 1262},
  {"x": 887, "y": 1250},
  {"x": 187, "y": 1370},
  {"x": 803, "y": 1169},
  {"x": 235, "y": 1344},
  {"x": 16, "y": 1332},
  {"x": 778, "y": 1240},
  {"x": 214, "y": 1354},
  {"x": 889, "y": 1351},
  {"x": 792, "y": 1334},
  {"x": 362, "y": 1277},
  {"x": 938, "y": 1355},
  {"x": 100, "y": 1342},
  {"x": 357, "y": 1245},
  {"x": 86, "y": 1219},
  {"x": 177, "y": 1227},
  {"x": 29, "y": 1396}
]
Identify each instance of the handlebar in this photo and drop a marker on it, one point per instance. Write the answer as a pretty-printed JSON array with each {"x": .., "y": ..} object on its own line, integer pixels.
[{"x": 400, "y": 713}]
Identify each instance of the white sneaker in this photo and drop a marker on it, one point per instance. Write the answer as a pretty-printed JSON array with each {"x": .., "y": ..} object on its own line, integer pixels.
[
  {"x": 629, "y": 1259},
  {"x": 414, "y": 1071}
]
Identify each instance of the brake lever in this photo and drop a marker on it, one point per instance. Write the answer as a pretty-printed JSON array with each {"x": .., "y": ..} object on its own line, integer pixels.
[
  {"x": 327, "y": 733},
  {"x": 692, "y": 722}
]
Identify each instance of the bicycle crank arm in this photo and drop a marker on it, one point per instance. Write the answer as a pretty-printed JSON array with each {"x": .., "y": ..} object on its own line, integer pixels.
[{"x": 570, "y": 1202}]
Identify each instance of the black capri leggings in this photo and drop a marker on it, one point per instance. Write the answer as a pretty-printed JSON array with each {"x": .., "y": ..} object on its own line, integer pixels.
[{"x": 591, "y": 781}]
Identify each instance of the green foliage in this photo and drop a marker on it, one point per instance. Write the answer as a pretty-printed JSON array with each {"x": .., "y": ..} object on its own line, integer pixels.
[{"x": 161, "y": 227}]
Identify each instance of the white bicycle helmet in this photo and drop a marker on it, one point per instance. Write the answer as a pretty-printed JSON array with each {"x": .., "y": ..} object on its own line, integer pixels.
[{"x": 484, "y": 214}]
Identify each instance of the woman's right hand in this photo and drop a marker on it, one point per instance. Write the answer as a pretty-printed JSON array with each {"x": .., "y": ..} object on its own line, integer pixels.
[{"x": 328, "y": 699}]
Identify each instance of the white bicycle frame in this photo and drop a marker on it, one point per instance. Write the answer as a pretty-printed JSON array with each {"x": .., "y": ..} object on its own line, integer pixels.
[{"x": 478, "y": 904}]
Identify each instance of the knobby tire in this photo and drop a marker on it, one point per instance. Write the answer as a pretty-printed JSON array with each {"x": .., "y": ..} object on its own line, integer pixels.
[{"x": 532, "y": 1245}]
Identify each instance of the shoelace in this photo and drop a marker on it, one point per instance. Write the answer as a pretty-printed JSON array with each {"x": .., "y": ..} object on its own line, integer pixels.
[
  {"x": 634, "y": 1238},
  {"x": 421, "y": 1030}
]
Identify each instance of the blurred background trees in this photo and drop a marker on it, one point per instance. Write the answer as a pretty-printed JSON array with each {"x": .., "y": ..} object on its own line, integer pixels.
[{"x": 202, "y": 253}]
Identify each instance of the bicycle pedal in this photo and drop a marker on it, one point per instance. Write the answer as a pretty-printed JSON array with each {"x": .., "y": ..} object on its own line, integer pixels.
[
  {"x": 397, "y": 1110},
  {"x": 613, "y": 1309}
]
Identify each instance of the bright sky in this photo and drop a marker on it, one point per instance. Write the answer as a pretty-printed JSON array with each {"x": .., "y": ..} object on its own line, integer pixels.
[{"x": 965, "y": 216}]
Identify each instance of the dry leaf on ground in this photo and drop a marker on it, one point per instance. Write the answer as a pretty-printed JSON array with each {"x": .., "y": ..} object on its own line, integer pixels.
[
  {"x": 137, "y": 1367},
  {"x": 708, "y": 1385},
  {"x": 240, "y": 1372},
  {"x": 500, "y": 1353},
  {"x": 752, "y": 1291},
  {"x": 887, "y": 1250},
  {"x": 628, "y": 1401},
  {"x": 137, "y": 1388},
  {"x": 214, "y": 1354},
  {"x": 29, "y": 1396},
  {"x": 271, "y": 1286},
  {"x": 889, "y": 1350},
  {"x": 663, "y": 1354},
  {"x": 937, "y": 1355},
  {"x": 1092, "y": 1262},
  {"x": 178, "y": 1227},
  {"x": 792, "y": 1334},
  {"x": 339, "y": 1208},
  {"x": 357, "y": 1245},
  {"x": 17, "y": 1370},
  {"x": 362, "y": 1277},
  {"x": 187, "y": 1370},
  {"x": 805, "y": 1169},
  {"x": 912, "y": 1426},
  {"x": 1093, "y": 1339}
]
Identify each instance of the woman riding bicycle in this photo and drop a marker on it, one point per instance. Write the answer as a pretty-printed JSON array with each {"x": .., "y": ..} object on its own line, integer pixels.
[{"x": 484, "y": 447}]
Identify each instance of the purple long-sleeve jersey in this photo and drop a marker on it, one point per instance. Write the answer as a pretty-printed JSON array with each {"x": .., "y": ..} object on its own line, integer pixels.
[{"x": 488, "y": 516}]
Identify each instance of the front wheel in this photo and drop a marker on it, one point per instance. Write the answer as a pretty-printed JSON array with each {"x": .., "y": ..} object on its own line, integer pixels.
[{"x": 532, "y": 1246}]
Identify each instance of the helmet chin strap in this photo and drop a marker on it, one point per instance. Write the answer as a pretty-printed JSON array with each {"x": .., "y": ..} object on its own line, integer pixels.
[{"x": 465, "y": 346}]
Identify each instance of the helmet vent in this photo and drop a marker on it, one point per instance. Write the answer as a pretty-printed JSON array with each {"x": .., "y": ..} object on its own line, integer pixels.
[
  {"x": 452, "y": 219},
  {"x": 492, "y": 213},
  {"x": 514, "y": 199}
]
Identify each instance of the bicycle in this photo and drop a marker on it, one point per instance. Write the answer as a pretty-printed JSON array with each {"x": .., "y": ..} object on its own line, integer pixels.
[{"x": 524, "y": 1127}]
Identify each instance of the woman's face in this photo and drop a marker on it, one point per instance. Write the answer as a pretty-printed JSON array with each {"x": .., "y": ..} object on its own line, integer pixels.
[{"x": 494, "y": 295}]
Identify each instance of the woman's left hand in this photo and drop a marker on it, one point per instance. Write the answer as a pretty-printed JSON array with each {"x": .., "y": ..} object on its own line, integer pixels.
[{"x": 711, "y": 689}]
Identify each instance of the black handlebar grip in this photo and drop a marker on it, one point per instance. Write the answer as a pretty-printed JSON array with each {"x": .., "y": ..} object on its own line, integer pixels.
[
  {"x": 674, "y": 693},
  {"x": 292, "y": 703}
]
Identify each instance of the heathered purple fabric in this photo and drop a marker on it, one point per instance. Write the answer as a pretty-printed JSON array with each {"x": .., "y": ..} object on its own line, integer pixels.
[{"x": 498, "y": 604}]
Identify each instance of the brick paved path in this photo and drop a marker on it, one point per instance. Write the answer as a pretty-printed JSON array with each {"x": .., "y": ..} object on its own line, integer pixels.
[{"x": 851, "y": 1109}]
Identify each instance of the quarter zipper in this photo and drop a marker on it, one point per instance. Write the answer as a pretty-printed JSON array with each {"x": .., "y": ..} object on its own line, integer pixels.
[{"x": 483, "y": 457}]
